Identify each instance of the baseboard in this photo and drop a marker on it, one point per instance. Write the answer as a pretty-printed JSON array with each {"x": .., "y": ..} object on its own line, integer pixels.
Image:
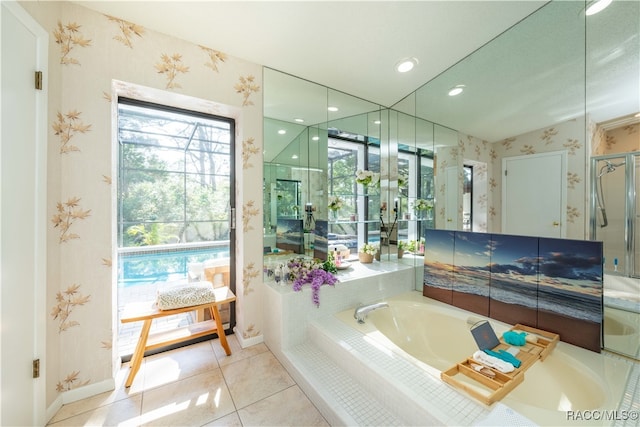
[
  {"x": 54, "y": 408},
  {"x": 88, "y": 391},
  {"x": 247, "y": 342}
]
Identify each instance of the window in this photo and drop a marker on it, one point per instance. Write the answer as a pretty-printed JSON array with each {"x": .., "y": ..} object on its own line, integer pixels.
[
  {"x": 467, "y": 198},
  {"x": 358, "y": 220},
  {"x": 175, "y": 175}
]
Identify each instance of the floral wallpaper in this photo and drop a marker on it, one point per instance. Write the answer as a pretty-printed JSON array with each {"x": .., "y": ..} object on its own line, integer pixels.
[
  {"x": 622, "y": 139},
  {"x": 486, "y": 159},
  {"x": 568, "y": 136},
  {"x": 92, "y": 59},
  {"x": 477, "y": 153}
]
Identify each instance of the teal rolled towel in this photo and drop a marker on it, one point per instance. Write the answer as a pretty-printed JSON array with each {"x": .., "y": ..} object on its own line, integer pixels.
[
  {"x": 515, "y": 338},
  {"x": 507, "y": 357}
]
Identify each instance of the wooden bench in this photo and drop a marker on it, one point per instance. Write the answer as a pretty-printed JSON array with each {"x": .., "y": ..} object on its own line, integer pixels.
[{"x": 147, "y": 311}]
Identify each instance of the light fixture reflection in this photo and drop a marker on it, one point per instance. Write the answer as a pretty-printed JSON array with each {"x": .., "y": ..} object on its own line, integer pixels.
[
  {"x": 457, "y": 90},
  {"x": 597, "y": 6},
  {"x": 282, "y": 131},
  {"x": 333, "y": 109}
]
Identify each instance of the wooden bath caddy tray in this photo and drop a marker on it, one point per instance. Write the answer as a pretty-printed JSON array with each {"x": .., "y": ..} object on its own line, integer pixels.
[{"x": 491, "y": 389}]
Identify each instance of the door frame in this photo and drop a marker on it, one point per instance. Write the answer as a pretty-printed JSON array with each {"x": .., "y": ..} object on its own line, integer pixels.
[
  {"x": 39, "y": 312},
  {"x": 196, "y": 105},
  {"x": 563, "y": 186}
]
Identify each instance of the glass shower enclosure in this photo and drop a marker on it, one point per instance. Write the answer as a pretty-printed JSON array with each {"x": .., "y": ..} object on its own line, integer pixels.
[{"x": 615, "y": 211}]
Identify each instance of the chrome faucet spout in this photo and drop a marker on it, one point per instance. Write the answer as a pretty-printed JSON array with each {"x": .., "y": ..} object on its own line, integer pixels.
[{"x": 361, "y": 312}]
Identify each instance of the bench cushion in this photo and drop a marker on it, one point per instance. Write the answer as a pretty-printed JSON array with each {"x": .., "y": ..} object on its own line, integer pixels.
[{"x": 186, "y": 295}]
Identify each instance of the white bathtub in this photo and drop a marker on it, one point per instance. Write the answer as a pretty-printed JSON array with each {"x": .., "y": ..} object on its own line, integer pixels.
[
  {"x": 622, "y": 291},
  {"x": 436, "y": 336}
]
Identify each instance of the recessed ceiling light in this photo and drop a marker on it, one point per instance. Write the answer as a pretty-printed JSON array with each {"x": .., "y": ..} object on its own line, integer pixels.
[
  {"x": 299, "y": 120},
  {"x": 597, "y": 6},
  {"x": 295, "y": 156},
  {"x": 333, "y": 109},
  {"x": 282, "y": 131},
  {"x": 376, "y": 122},
  {"x": 315, "y": 138},
  {"x": 406, "y": 64},
  {"x": 457, "y": 90}
]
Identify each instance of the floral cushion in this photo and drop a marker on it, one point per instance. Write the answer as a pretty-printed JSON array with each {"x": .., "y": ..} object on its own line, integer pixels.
[{"x": 186, "y": 295}]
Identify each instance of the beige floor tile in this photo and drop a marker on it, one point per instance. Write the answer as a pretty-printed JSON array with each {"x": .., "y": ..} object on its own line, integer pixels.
[
  {"x": 121, "y": 413},
  {"x": 194, "y": 401},
  {"x": 255, "y": 378},
  {"x": 237, "y": 352},
  {"x": 167, "y": 367},
  {"x": 289, "y": 407},
  {"x": 231, "y": 420}
]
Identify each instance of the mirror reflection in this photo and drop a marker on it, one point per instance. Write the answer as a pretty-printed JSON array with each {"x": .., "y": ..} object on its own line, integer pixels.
[{"x": 542, "y": 141}]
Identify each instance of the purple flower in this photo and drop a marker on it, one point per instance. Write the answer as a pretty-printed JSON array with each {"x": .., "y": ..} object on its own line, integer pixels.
[{"x": 310, "y": 272}]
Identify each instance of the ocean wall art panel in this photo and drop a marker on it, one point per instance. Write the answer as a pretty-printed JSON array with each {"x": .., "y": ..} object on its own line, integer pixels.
[
  {"x": 471, "y": 274},
  {"x": 514, "y": 279},
  {"x": 290, "y": 235},
  {"x": 570, "y": 290},
  {"x": 321, "y": 243},
  {"x": 551, "y": 284},
  {"x": 438, "y": 265}
]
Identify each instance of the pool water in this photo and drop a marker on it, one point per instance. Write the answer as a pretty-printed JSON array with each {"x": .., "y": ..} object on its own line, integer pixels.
[
  {"x": 139, "y": 277},
  {"x": 152, "y": 267}
]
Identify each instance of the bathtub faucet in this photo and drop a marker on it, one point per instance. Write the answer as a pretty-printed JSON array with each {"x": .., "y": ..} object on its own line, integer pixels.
[{"x": 361, "y": 312}]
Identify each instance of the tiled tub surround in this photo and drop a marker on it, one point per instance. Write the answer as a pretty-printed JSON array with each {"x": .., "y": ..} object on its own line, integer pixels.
[
  {"x": 570, "y": 378},
  {"x": 355, "y": 379},
  {"x": 289, "y": 312}
]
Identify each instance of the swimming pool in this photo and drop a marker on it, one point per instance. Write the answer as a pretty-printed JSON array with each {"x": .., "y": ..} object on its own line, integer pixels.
[{"x": 136, "y": 268}]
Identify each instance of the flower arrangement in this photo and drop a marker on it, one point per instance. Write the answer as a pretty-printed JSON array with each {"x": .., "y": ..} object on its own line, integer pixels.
[
  {"x": 335, "y": 203},
  {"x": 311, "y": 272},
  {"x": 423, "y": 205},
  {"x": 368, "y": 248},
  {"x": 368, "y": 178},
  {"x": 403, "y": 180}
]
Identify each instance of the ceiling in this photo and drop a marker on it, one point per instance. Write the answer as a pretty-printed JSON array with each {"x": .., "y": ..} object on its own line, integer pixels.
[{"x": 351, "y": 46}]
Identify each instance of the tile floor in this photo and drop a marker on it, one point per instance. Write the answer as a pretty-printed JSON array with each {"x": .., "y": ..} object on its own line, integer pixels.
[{"x": 199, "y": 385}]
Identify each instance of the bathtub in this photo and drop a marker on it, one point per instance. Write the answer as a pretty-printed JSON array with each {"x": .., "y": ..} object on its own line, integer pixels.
[
  {"x": 622, "y": 292},
  {"x": 622, "y": 315},
  {"x": 436, "y": 336}
]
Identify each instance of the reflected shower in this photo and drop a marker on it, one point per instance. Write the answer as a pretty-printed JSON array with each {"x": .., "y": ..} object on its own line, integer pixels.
[{"x": 607, "y": 168}]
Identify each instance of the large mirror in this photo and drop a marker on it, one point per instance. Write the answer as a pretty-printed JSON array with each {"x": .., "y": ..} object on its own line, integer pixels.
[{"x": 557, "y": 82}]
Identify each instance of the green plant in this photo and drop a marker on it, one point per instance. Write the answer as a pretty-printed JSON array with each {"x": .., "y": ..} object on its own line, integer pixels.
[
  {"x": 423, "y": 205},
  {"x": 402, "y": 245},
  {"x": 148, "y": 235},
  {"x": 369, "y": 248}
]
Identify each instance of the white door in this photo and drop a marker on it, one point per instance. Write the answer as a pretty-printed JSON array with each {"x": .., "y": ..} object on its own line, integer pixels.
[
  {"x": 22, "y": 219},
  {"x": 534, "y": 195}
]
